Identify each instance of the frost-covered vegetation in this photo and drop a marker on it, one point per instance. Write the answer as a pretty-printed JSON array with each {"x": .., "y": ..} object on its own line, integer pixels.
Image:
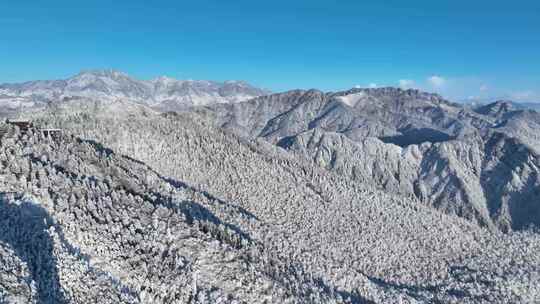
[
  {"x": 80, "y": 224},
  {"x": 191, "y": 213}
]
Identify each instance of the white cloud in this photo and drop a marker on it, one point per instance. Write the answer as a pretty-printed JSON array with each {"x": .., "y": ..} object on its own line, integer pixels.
[
  {"x": 484, "y": 88},
  {"x": 357, "y": 86},
  {"x": 406, "y": 83},
  {"x": 372, "y": 85},
  {"x": 436, "y": 81}
]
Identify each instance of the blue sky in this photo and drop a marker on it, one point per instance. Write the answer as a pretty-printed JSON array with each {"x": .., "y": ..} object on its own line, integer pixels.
[{"x": 461, "y": 49}]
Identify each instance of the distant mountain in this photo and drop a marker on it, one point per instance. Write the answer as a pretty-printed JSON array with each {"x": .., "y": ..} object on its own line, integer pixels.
[
  {"x": 531, "y": 105},
  {"x": 109, "y": 85},
  {"x": 515, "y": 120},
  {"x": 392, "y": 114},
  {"x": 478, "y": 103},
  {"x": 499, "y": 108}
]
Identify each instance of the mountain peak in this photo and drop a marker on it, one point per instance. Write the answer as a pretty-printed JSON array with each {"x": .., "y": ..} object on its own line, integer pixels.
[
  {"x": 236, "y": 82},
  {"x": 112, "y": 73},
  {"x": 394, "y": 92},
  {"x": 498, "y": 108},
  {"x": 164, "y": 79}
]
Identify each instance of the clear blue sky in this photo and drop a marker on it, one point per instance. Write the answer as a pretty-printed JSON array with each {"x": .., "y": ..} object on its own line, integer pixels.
[{"x": 475, "y": 48}]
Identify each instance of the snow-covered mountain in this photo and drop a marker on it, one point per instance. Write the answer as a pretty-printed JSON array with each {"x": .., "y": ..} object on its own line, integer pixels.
[
  {"x": 479, "y": 164},
  {"x": 109, "y": 85},
  {"x": 166, "y": 208},
  {"x": 481, "y": 102}
]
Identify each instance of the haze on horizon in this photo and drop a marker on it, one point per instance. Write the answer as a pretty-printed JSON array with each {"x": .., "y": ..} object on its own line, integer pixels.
[{"x": 460, "y": 49}]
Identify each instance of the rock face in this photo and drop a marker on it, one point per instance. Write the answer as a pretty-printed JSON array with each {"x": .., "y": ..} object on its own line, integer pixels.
[
  {"x": 482, "y": 165},
  {"x": 193, "y": 214},
  {"x": 108, "y": 85}
]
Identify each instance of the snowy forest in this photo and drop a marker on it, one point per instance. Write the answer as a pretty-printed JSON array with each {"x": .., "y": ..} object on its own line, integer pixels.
[{"x": 150, "y": 207}]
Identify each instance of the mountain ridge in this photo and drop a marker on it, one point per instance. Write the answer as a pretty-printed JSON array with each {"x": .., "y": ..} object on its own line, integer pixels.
[{"x": 162, "y": 93}]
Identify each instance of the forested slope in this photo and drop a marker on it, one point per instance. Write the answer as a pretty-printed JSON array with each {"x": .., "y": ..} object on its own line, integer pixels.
[
  {"x": 357, "y": 241},
  {"x": 82, "y": 224}
]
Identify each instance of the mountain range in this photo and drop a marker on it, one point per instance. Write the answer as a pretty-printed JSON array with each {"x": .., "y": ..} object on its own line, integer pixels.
[
  {"x": 109, "y": 85},
  {"x": 379, "y": 195}
]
